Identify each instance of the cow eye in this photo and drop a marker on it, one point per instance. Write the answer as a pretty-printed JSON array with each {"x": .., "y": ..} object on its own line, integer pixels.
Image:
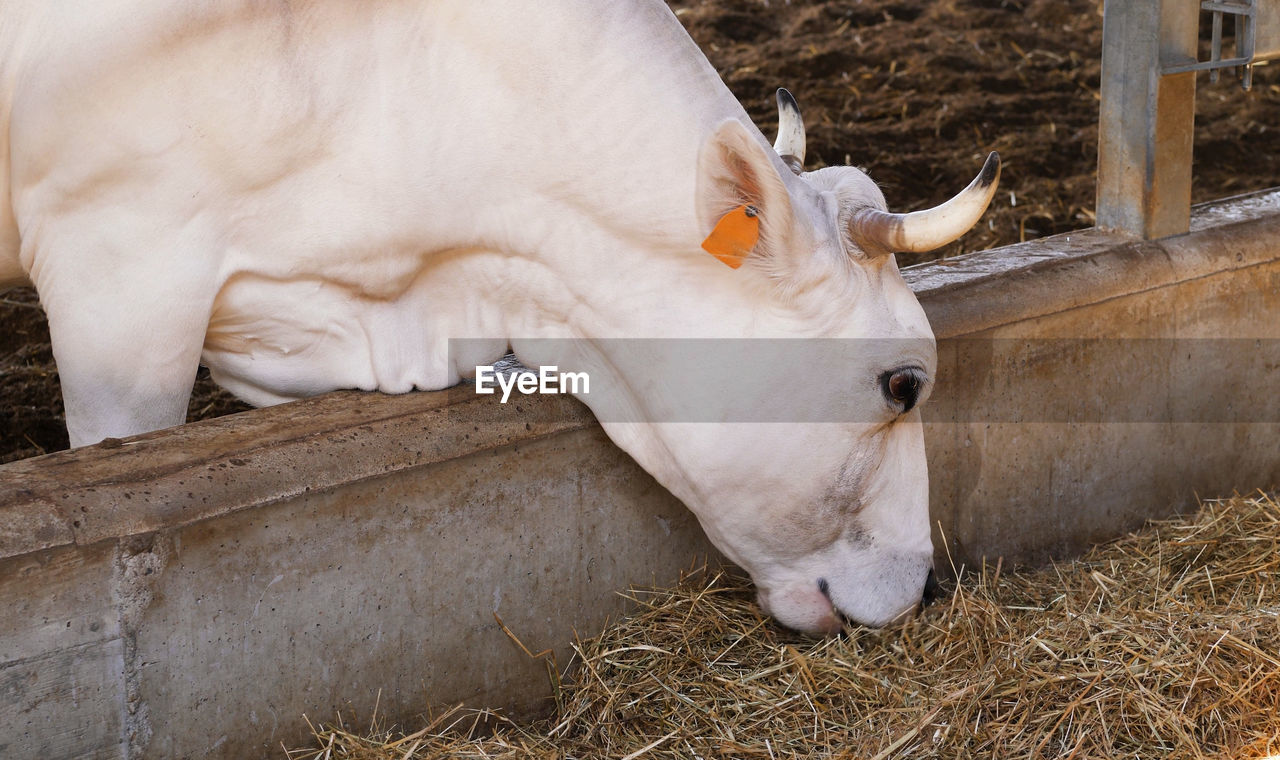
[{"x": 901, "y": 387}]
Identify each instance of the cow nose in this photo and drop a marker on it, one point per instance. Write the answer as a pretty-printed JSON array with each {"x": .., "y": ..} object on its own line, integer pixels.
[{"x": 930, "y": 588}]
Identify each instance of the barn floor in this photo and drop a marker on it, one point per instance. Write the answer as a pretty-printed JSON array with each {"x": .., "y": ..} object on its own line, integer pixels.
[{"x": 915, "y": 91}]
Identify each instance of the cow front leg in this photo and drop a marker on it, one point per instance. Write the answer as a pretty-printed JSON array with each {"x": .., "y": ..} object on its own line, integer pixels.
[{"x": 126, "y": 359}]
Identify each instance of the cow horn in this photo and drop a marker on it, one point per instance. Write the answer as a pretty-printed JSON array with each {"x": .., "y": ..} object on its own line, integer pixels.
[
  {"x": 790, "y": 142},
  {"x": 880, "y": 232}
]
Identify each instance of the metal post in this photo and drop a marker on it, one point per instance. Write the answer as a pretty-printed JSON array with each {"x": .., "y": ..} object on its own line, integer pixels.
[{"x": 1146, "y": 119}]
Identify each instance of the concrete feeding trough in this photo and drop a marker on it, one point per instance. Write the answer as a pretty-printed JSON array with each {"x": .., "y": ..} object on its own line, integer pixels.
[{"x": 193, "y": 592}]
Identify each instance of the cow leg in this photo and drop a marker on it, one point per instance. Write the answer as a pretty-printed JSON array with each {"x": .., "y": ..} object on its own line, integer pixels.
[
  {"x": 124, "y": 369},
  {"x": 127, "y": 342}
]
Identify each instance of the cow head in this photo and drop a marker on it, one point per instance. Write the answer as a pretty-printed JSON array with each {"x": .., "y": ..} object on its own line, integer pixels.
[{"x": 828, "y": 509}]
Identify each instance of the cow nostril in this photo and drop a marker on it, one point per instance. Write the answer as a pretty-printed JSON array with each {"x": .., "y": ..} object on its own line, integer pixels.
[{"x": 930, "y": 588}]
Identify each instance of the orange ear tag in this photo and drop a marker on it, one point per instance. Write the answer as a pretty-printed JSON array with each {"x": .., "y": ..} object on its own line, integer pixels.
[{"x": 734, "y": 236}]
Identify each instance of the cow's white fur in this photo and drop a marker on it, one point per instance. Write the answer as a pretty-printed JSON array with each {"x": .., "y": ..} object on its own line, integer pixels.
[{"x": 318, "y": 195}]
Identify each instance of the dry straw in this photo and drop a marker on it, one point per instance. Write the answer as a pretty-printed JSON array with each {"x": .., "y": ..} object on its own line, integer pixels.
[{"x": 1162, "y": 644}]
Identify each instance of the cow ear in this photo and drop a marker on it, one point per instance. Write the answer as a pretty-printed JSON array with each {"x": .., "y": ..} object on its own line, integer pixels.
[{"x": 743, "y": 204}]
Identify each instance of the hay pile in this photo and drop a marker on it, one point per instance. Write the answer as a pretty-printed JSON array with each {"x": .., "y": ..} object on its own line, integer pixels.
[{"x": 1162, "y": 644}]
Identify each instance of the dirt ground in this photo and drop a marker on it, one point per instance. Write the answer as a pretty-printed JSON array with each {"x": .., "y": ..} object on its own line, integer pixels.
[{"x": 914, "y": 91}]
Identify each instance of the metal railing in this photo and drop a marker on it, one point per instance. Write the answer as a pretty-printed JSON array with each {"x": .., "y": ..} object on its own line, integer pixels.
[{"x": 1150, "y": 58}]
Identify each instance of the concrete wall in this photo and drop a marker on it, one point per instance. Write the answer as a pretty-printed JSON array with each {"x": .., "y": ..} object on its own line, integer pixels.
[
  {"x": 1087, "y": 383},
  {"x": 193, "y": 592}
]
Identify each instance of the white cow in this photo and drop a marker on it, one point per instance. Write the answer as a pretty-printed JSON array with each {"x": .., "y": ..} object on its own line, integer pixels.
[{"x": 317, "y": 194}]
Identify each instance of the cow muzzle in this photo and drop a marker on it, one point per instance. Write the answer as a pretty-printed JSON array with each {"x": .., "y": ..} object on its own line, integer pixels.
[{"x": 825, "y": 607}]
